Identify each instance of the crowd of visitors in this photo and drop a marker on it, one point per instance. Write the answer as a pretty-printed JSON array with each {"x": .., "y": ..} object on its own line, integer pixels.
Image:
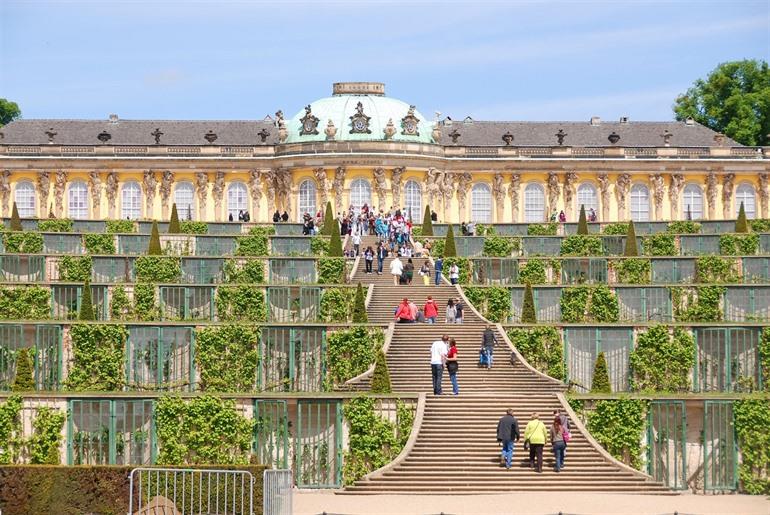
[
  {"x": 562, "y": 217},
  {"x": 408, "y": 312},
  {"x": 535, "y": 437}
]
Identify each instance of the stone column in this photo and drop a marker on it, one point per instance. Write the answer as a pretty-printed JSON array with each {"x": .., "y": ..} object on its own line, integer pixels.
[
  {"x": 218, "y": 193},
  {"x": 622, "y": 185},
  {"x": 166, "y": 183},
  {"x": 658, "y": 187},
  {"x": 674, "y": 189},
  {"x": 112, "y": 194},
  {"x": 513, "y": 192},
  {"x": 202, "y": 190},
  {"x": 711, "y": 194},
  {"x": 728, "y": 183},
  {"x": 604, "y": 194},
  {"x": 150, "y": 187},
  {"x": 95, "y": 184}
]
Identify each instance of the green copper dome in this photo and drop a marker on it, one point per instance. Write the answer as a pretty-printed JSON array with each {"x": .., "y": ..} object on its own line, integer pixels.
[{"x": 377, "y": 118}]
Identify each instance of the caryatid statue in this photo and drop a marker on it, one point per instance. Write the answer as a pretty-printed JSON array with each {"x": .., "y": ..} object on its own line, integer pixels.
[
  {"x": 339, "y": 187},
  {"x": 464, "y": 181},
  {"x": 498, "y": 190},
  {"x": 150, "y": 187},
  {"x": 553, "y": 191},
  {"x": 43, "y": 189},
  {"x": 380, "y": 187},
  {"x": 283, "y": 186},
  {"x": 513, "y": 191},
  {"x": 95, "y": 185},
  {"x": 622, "y": 185},
  {"x": 728, "y": 182},
  {"x": 218, "y": 193},
  {"x": 568, "y": 190},
  {"x": 166, "y": 183},
  {"x": 59, "y": 185},
  {"x": 322, "y": 179},
  {"x": 5, "y": 190},
  {"x": 202, "y": 190},
  {"x": 111, "y": 191},
  {"x": 432, "y": 186},
  {"x": 395, "y": 185},
  {"x": 675, "y": 186},
  {"x": 255, "y": 189},
  {"x": 446, "y": 187},
  {"x": 658, "y": 187},
  {"x": 604, "y": 194}
]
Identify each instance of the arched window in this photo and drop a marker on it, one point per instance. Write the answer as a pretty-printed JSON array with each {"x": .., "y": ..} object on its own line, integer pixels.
[
  {"x": 692, "y": 202},
  {"x": 534, "y": 203},
  {"x": 586, "y": 196},
  {"x": 237, "y": 199},
  {"x": 413, "y": 200},
  {"x": 184, "y": 198},
  {"x": 307, "y": 195},
  {"x": 25, "y": 199},
  {"x": 745, "y": 194},
  {"x": 640, "y": 203},
  {"x": 360, "y": 194},
  {"x": 77, "y": 200},
  {"x": 131, "y": 201},
  {"x": 481, "y": 203}
]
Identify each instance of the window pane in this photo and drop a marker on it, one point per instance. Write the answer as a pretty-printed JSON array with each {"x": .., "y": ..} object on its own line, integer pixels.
[
  {"x": 307, "y": 195},
  {"x": 413, "y": 201},
  {"x": 236, "y": 199},
  {"x": 745, "y": 194},
  {"x": 131, "y": 201},
  {"x": 534, "y": 203},
  {"x": 586, "y": 196},
  {"x": 25, "y": 199},
  {"x": 360, "y": 194},
  {"x": 78, "y": 200},
  {"x": 183, "y": 198},
  {"x": 640, "y": 203},
  {"x": 481, "y": 204},
  {"x": 692, "y": 205}
]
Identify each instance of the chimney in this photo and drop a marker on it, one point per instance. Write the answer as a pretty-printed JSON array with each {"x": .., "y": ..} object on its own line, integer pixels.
[
  {"x": 689, "y": 121},
  {"x": 595, "y": 120},
  {"x": 624, "y": 119},
  {"x": 113, "y": 118}
]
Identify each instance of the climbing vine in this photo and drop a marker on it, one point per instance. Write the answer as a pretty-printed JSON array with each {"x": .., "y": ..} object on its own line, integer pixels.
[
  {"x": 534, "y": 272},
  {"x": 23, "y": 242},
  {"x": 760, "y": 225},
  {"x": 632, "y": 270},
  {"x": 55, "y": 225},
  {"x": 46, "y": 436},
  {"x": 256, "y": 243},
  {"x": 205, "y": 430},
  {"x": 581, "y": 245},
  {"x": 120, "y": 226},
  {"x": 764, "y": 357},
  {"x": 75, "y": 269},
  {"x": 683, "y": 227},
  {"x": 242, "y": 302},
  {"x": 98, "y": 243},
  {"x": 25, "y": 303},
  {"x": 158, "y": 269},
  {"x": 337, "y": 304},
  {"x": 738, "y": 244},
  {"x": 463, "y": 264},
  {"x": 661, "y": 362},
  {"x": 227, "y": 357},
  {"x": 548, "y": 229},
  {"x": 618, "y": 425},
  {"x": 247, "y": 271},
  {"x": 193, "y": 227},
  {"x": 714, "y": 269},
  {"x": 350, "y": 352},
  {"x": 589, "y": 304},
  {"x": 120, "y": 304},
  {"x": 615, "y": 229},
  {"x": 660, "y": 244},
  {"x": 752, "y": 418},
  {"x": 493, "y": 302},
  {"x": 145, "y": 308},
  {"x": 319, "y": 245},
  {"x": 97, "y": 357},
  {"x": 331, "y": 270},
  {"x": 701, "y": 304},
  {"x": 542, "y": 348},
  {"x": 498, "y": 246},
  {"x": 11, "y": 440}
]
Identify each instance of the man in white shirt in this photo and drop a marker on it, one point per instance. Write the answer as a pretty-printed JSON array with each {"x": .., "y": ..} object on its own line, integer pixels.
[
  {"x": 396, "y": 269},
  {"x": 357, "y": 242},
  {"x": 438, "y": 352}
]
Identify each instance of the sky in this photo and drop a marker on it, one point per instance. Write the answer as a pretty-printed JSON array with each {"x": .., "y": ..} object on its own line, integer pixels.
[{"x": 491, "y": 60}]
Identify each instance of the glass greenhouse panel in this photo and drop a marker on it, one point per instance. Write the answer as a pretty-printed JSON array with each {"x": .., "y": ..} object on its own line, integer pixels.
[
  {"x": 271, "y": 433},
  {"x": 616, "y": 245},
  {"x": 697, "y": 245},
  {"x": 45, "y": 343},
  {"x": 224, "y": 228},
  {"x": 469, "y": 246},
  {"x": 650, "y": 227},
  {"x": 89, "y": 226},
  {"x": 160, "y": 358},
  {"x": 720, "y": 449},
  {"x": 65, "y": 301},
  {"x": 511, "y": 229},
  {"x": 292, "y": 360},
  {"x": 133, "y": 243},
  {"x": 547, "y": 304},
  {"x": 22, "y": 269},
  {"x": 146, "y": 227},
  {"x": 318, "y": 444},
  {"x": 187, "y": 302},
  {"x": 672, "y": 271},
  {"x": 114, "y": 269},
  {"x": 292, "y": 271},
  {"x": 716, "y": 226},
  {"x": 583, "y": 271},
  {"x": 571, "y": 228},
  {"x": 279, "y": 302},
  {"x": 727, "y": 359},
  {"x": 202, "y": 271},
  {"x": 214, "y": 246},
  {"x": 286, "y": 229},
  {"x": 764, "y": 243},
  {"x": 495, "y": 271},
  {"x": 756, "y": 270},
  {"x": 667, "y": 443},
  {"x": 644, "y": 304},
  {"x": 582, "y": 346},
  {"x": 60, "y": 243},
  {"x": 747, "y": 304},
  {"x": 541, "y": 245},
  {"x": 290, "y": 246}
]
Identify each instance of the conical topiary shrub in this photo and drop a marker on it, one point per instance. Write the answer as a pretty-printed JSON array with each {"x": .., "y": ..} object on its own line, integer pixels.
[
  {"x": 631, "y": 248},
  {"x": 359, "y": 306},
  {"x": 449, "y": 243},
  {"x": 601, "y": 381},
  {"x": 326, "y": 228},
  {"x": 24, "y": 380},
  {"x": 582, "y": 221},
  {"x": 154, "y": 249},
  {"x": 86, "y": 305},
  {"x": 528, "y": 315},
  {"x": 173, "y": 223},
  {"x": 15, "y": 219},
  {"x": 335, "y": 244},
  {"x": 427, "y": 223},
  {"x": 381, "y": 376},
  {"x": 741, "y": 224}
]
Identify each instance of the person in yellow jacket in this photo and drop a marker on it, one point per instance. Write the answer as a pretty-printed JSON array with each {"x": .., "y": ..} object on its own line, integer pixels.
[{"x": 534, "y": 436}]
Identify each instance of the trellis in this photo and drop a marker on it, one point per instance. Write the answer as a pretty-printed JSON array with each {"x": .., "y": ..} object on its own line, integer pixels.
[
  {"x": 318, "y": 444},
  {"x": 187, "y": 302},
  {"x": 46, "y": 343},
  {"x": 495, "y": 271},
  {"x": 160, "y": 358},
  {"x": 720, "y": 447},
  {"x": 292, "y": 359},
  {"x": 727, "y": 359},
  {"x": 667, "y": 443},
  {"x": 293, "y": 304},
  {"x": 584, "y": 271},
  {"x": 582, "y": 345},
  {"x": 644, "y": 304},
  {"x": 271, "y": 433}
]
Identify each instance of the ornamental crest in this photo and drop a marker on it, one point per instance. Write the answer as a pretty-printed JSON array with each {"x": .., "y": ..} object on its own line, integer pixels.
[
  {"x": 359, "y": 122},
  {"x": 309, "y": 123},
  {"x": 409, "y": 123}
]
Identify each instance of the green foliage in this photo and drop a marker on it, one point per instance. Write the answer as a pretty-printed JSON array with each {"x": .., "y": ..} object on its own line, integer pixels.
[
  {"x": 158, "y": 269},
  {"x": 320, "y": 245},
  {"x": 248, "y": 271},
  {"x": 25, "y": 303},
  {"x": 494, "y": 303},
  {"x": 574, "y": 304},
  {"x": 24, "y": 380},
  {"x": 528, "y": 314},
  {"x": 450, "y": 248},
  {"x": 173, "y": 223},
  {"x": 120, "y": 226},
  {"x": 715, "y": 269},
  {"x": 359, "y": 306},
  {"x": 23, "y": 242},
  {"x": 417, "y": 231},
  {"x": 380, "y": 376},
  {"x": 589, "y": 304},
  {"x": 760, "y": 225},
  {"x": 350, "y": 352},
  {"x": 204, "y": 430},
  {"x": 499, "y": 246},
  {"x": 580, "y": 245},
  {"x": 9, "y": 111},
  {"x": 484, "y": 230},
  {"x": 15, "y": 224},
  {"x": 604, "y": 305},
  {"x": 99, "y": 243},
  {"x": 11, "y": 441},
  {"x": 631, "y": 249},
  {"x": 615, "y": 229},
  {"x": 336, "y": 304},
  {"x": 193, "y": 227},
  {"x": 427, "y": 223},
  {"x": 463, "y": 264},
  {"x": 46, "y": 437},
  {"x": 700, "y": 305},
  {"x": 86, "y": 306},
  {"x": 741, "y": 224},
  {"x": 331, "y": 270},
  {"x": 438, "y": 247},
  {"x": 683, "y": 227},
  {"x": 601, "y": 380},
  {"x": 731, "y": 100},
  {"x": 335, "y": 243},
  {"x": 534, "y": 272},
  {"x": 374, "y": 440},
  {"x": 582, "y": 228},
  {"x": 97, "y": 357},
  {"x": 252, "y": 245},
  {"x": 764, "y": 357},
  {"x": 227, "y": 357},
  {"x": 618, "y": 425},
  {"x": 548, "y": 229},
  {"x": 154, "y": 249},
  {"x": 752, "y": 418},
  {"x": 75, "y": 269},
  {"x": 738, "y": 245},
  {"x": 326, "y": 228},
  {"x": 542, "y": 348},
  {"x": 145, "y": 308},
  {"x": 633, "y": 270},
  {"x": 120, "y": 305},
  {"x": 660, "y": 244},
  {"x": 241, "y": 302},
  {"x": 55, "y": 225},
  {"x": 662, "y": 363}
]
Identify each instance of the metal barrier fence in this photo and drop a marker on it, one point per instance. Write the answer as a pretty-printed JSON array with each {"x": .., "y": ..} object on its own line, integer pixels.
[
  {"x": 277, "y": 492},
  {"x": 191, "y": 491}
]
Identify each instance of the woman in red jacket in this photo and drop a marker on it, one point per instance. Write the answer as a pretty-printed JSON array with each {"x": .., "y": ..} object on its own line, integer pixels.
[
  {"x": 431, "y": 310},
  {"x": 404, "y": 312}
]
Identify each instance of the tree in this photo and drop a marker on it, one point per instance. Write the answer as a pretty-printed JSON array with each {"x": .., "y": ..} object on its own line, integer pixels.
[
  {"x": 427, "y": 223},
  {"x": 86, "y": 306},
  {"x": 381, "y": 375},
  {"x": 154, "y": 249},
  {"x": 528, "y": 314},
  {"x": 741, "y": 224},
  {"x": 601, "y": 380},
  {"x": 582, "y": 222},
  {"x": 15, "y": 219},
  {"x": 450, "y": 250},
  {"x": 9, "y": 111},
  {"x": 335, "y": 244},
  {"x": 173, "y": 223},
  {"x": 359, "y": 306},
  {"x": 326, "y": 228},
  {"x": 734, "y": 100},
  {"x": 631, "y": 248},
  {"x": 24, "y": 380}
]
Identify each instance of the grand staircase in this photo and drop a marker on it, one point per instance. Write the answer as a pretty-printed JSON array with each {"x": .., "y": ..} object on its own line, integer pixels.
[{"x": 455, "y": 450}]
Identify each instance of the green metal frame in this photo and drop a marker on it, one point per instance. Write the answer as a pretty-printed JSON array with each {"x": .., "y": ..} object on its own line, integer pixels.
[
  {"x": 598, "y": 348},
  {"x": 726, "y": 360},
  {"x": 720, "y": 459},
  {"x": 132, "y": 355},
  {"x": 660, "y": 416},
  {"x": 317, "y": 462},
  {"x": 271, "y": 433}
]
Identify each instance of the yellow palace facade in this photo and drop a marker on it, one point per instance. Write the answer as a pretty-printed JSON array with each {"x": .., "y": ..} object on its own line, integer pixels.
[{"x": 359, "y": 147}]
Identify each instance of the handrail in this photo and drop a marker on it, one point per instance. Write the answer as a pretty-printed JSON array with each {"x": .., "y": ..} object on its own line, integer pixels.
[{"x": 369, "y": 294}]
